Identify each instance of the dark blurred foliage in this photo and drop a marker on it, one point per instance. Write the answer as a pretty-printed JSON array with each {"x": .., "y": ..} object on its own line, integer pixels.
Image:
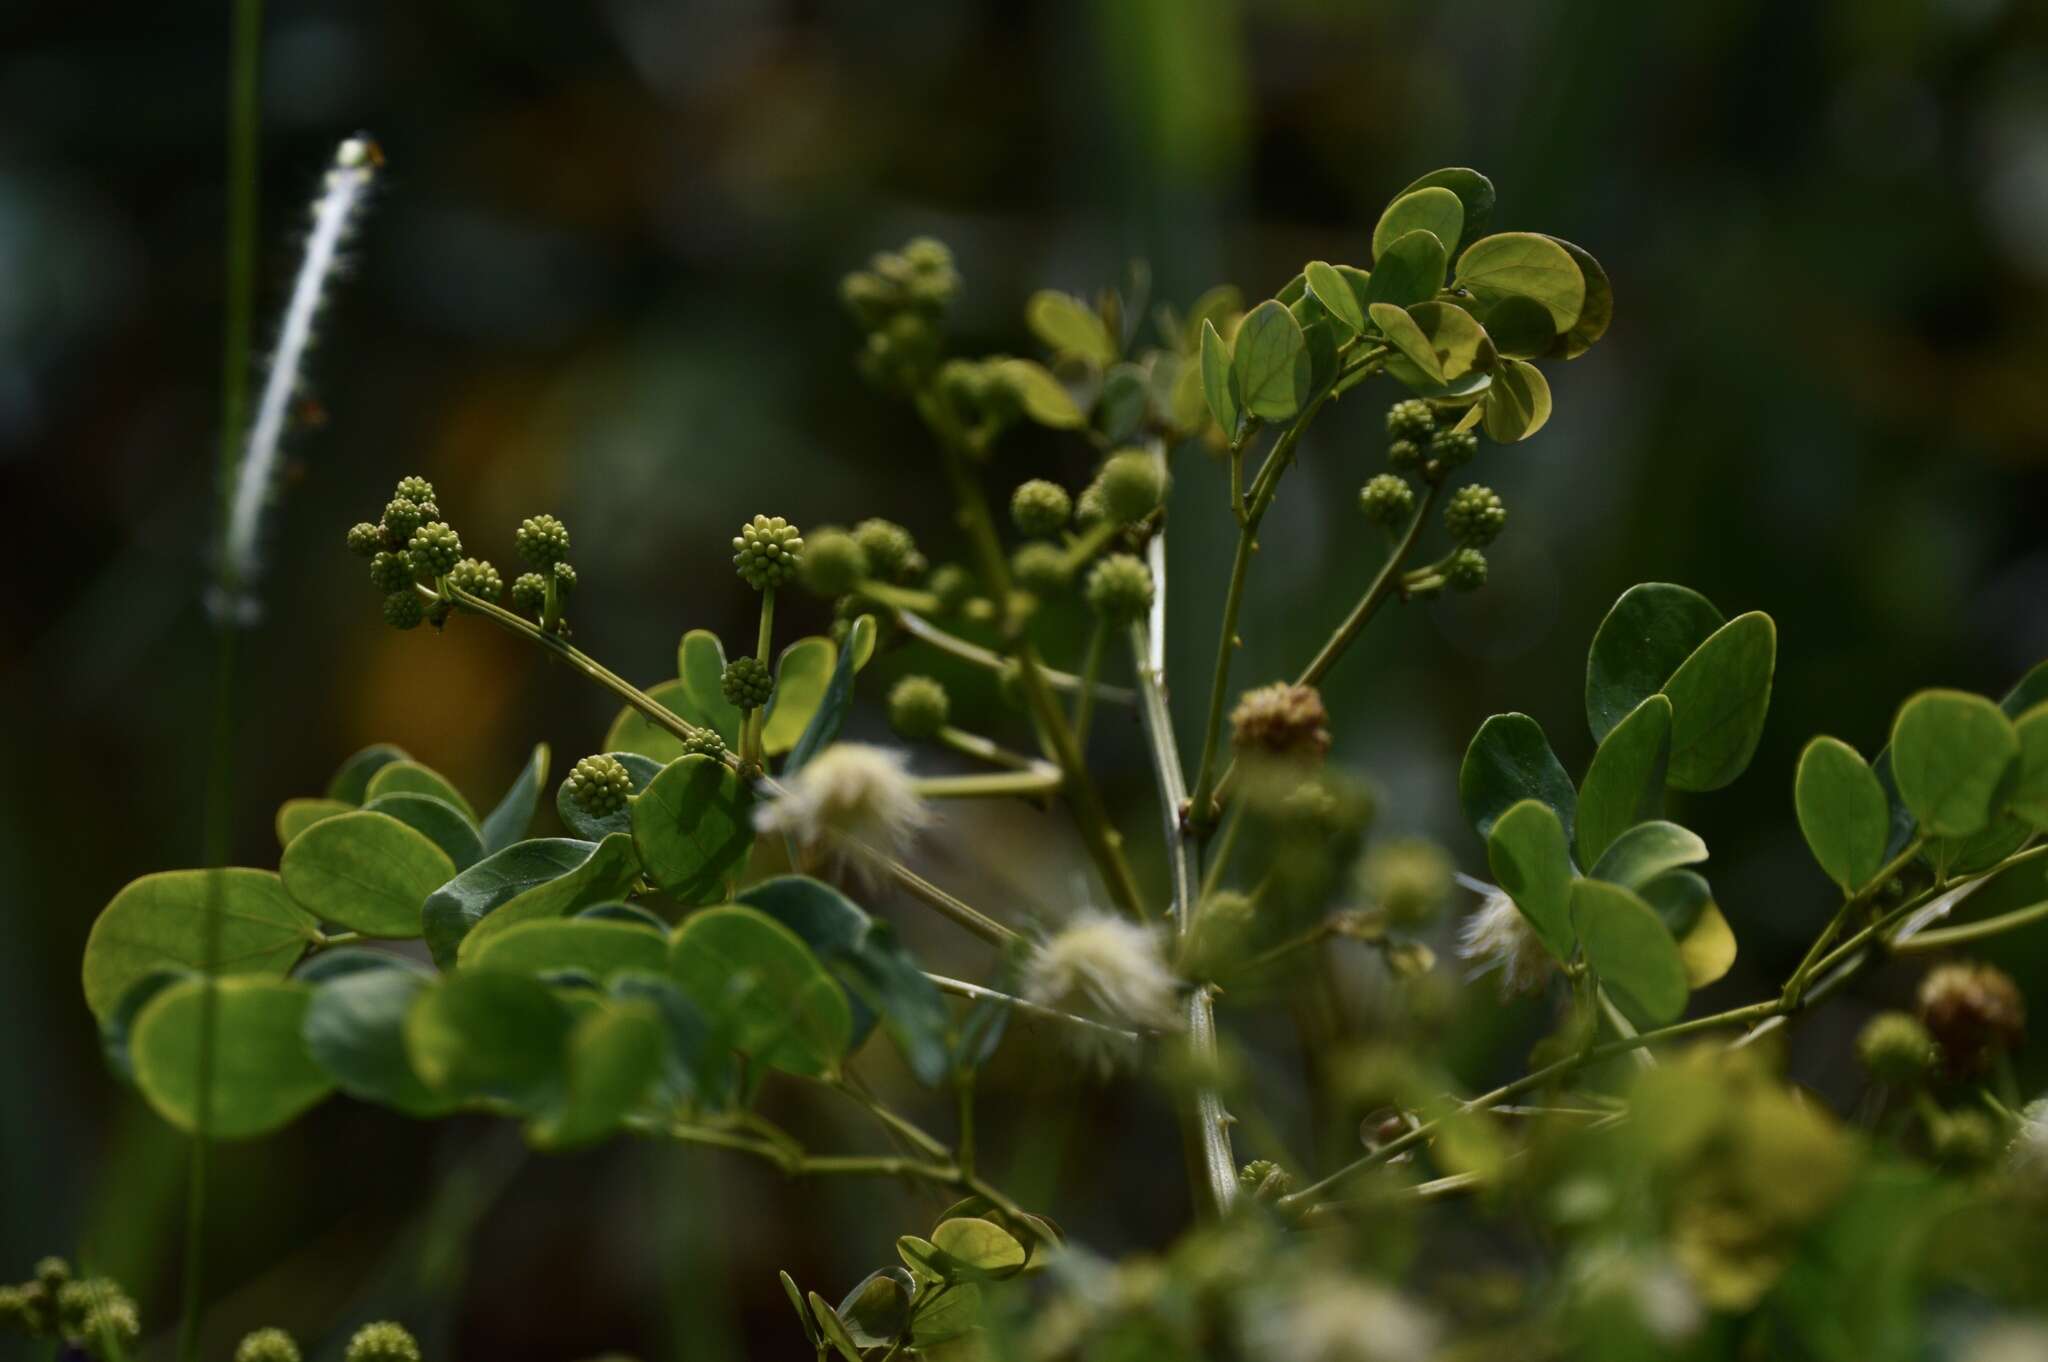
[{"x": 599, "y": 279}]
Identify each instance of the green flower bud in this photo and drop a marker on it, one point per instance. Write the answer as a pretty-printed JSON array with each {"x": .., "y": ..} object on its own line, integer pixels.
[
  {"x": 1962, "y": 1140},
  {"x": 391, "y": 572},
  {"x": 541, "y": 540},
  {"x": 1041, "y": 567},
  {"x": 1465, "y": 570},
  {"x": 1264, "y": 1180},
  {"x": 1411, "y": 419},
  {"x": 1410, "y": 879},
  {"x": 1133, "y": 484},
  {"x": 834, "y": 563},
  {"x": 927, "y": 255},
  {"x": 1450, "y": 449},
  {"x": 1387, "y": 499},
  {"x": 17, "y": 1308},
  {"x": 383, "y": 1341},
  {"x": 952, "y": 586},
  {"x": 478, "y": 578},
  {"x": 364, "y": 539},
  {"x": 867, "y": 296},
  {"x": 767, "y": 551},
  {"x": 565, "y": 579},
  {"x": 891, "y": 552},
  {"x": 918, "y": 706},
  {"x": 1040, "y": 509},
  {"x": 1089, "y": 509},
  {"x": 1405, "y": 456},
  {"x": 1475, "y": 515},
  {"x": 600, "y": 785},
  {"x": 434, "y": 549},
  {"x": 1120, "y": 588},
  {"x": 52, "y": 1274},
  {"x": 530, "y": 592},
  {"x": 404, "y": 609},
  {"x": 401, "y": 518},
  {"x": 267, "y": 1345},
  {"x": 705, "y": 742},
  {"x": 746, "y": 682},
  {"x": 1897, "y": 1049},
  {"x": 415, "y": 489},
  {"x": 110, "y": 1325}
]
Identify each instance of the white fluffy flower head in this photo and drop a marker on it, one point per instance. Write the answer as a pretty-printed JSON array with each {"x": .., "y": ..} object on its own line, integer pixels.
[
  {"x": 1334, "y": 1317},
  {"x": 1498, "y": 937},
  {"x": 850, "y": 793},
  {"x": 1107, "y": 967}
]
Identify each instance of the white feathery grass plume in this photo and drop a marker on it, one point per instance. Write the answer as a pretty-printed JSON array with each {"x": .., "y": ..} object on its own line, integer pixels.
[
  {"x": 857, "y": 797},
  {"x": 342, "y": 195}
]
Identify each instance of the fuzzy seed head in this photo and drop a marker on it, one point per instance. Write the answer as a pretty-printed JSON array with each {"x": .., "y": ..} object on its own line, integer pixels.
[
  {"x": 746, "y": 682},
  {"x": 918, "y": 707},
  {"x": 404, "y": 610},
  {"x": 267, "y": 1345},
  {"x": 1411, "y": 419},
  {"x": 1106, "y": 967},
  {"x": 530, "y": 592},
  {"x": 541, "y": 540},
  {"x": 1896, "y": 1049},
  {"x": 1975, "y": 1012},
  {"x": 383, "y": 1341},
  {"x": 600, "y": 785},
  {"x": 1465, "y": 569},
  {"x": 435, "y": 547},
  {"x": 1282, "y": 720},
  {"x": 834, "y": 563},
  {"x": 1498, "y": 937},
  {"x": 891, "y": 552},
  {"x": 767, "y": 551},
  {"x": 1040, "y": 509},
  {"x": 1133, "y": 484},
  {"x": 848, "y": 793},
  {"x": 1120, "y": 588},
  {"x": 364, "y": 539},
  {"x": 1041, "y": 568},
  {"x": 1387, "y": 499},
  {"x": 1475, "y": 515}
]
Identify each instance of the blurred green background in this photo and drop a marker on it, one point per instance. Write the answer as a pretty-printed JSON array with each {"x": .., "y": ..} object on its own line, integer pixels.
[{"x": 598, "y": 278}]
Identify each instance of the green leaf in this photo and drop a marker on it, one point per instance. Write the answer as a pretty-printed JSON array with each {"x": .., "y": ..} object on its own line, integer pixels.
[
  {"x": 2029, "y": 797},
  {"x": 693, "y": 830},
  {"x": 482, "y": 1035},
  {"x": 641, "y": 769},
  {"x": 118, "y": 1026},
  {"x": 1630, "y": 951},
  {"x": 697, "y": 1064},
  {"x": 1684, "y": 903},
  {"x": 1648, "y": 850},
  {"x": 438, "y": 821},
  {"x": 825, "y": 724},
  {"x": 1219, "y": 380},
  {"x": 862, "y": 953},
  {"x": 877, "y": 1311},
  {"x": 294, "y": 816},
  {"x": 1335, "y": 293},
  {"x": 607, "y": 873},
  {"x": 700, "y": 663},
  {"x": 1069, "y": 327},
  {"x": 615, "y": 1057},
  {"x": 351, "y": 784},
  {"x": 1518, "y": 403},
  {"x": 1624, "y": 783},
  {"x": 354, "y": 1029},
  {"x": 161, "y": 920},
  {"x": 1043, "y": 397},
  {"x": 1474, "y": 191},
  {"x": 941, "y": 1317},
  {"x": 1598, "y": 310},
  {"x": 1647, "y": 635},
  {"x": 1953, "y": 755},
  {"x": 1842, "y": 811},
  {"x": 510, "y": 821},
  {"x": 632, "y": 731},
  {"x": 1508, "y": 761},
  {"x": 1409, "y": 271},
  {"x": 802, "y": 675},
  {"x": 1520, "y": 327},
  {"x": 260, "y": 1074},
  {"x": 366, "y": 871},
  {"x": 1432, "y": 209},
  {"x": 409, "y": 777},
  {"x": 833, "y": 1329},
  {"x": 1408, "y": 339},
  {"x": 755, "y": 976},
  {"x": 921, "y": 1258},
  {"x": 1527, "y": 264},
  {"x": 1527, "y": 852},
  {"x": 973, "y": 1247},
  {"x": 541, "y": 946},
  {"x": 1121, "y": 406},
  {"x": 1459, "y": 343},
  {"x": 1270, "y": 362},
  {"x": 1719, "y": 697},
  {"x": 457, "y": 906}
]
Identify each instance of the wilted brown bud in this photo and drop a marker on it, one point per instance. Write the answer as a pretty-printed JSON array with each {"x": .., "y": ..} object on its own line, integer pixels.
[
  {"x": 1282, "y": 720},
  {"x": 1975, "y": 1011}
]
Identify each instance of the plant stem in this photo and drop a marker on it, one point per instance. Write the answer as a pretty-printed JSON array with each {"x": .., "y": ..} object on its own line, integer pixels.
[
  {"x": 1942, "y": 938},
  {"x": 1041, "y": 779},
  {"x": 923, "y": 629},
  {"x": 1849, "y": 905},
  {"x": 961, "y": 988},
  {"x": 990, "y": 751},
  {"x": 1091, "y": 668}
]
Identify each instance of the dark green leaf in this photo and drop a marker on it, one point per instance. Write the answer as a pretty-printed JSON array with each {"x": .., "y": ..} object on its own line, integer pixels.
[
  {"x": 1219, "y": 380},
  {"x": 1526, "y": 850},
  {"x": 1431, "y": 209},
  {"x": 825, "y": 724},
  {"x": 643, "y": 770},
  {"x": 1409, "y": 271},
  {"x": 119, "y": 1023},
  {"x": 1625, "y": 781},
  {"x": 1518, "y": 403},
  {"x": 697, "y": 1062},
  {"x": 1646, "y": 851},
  {"x": 1842, "y": 811},
  {"x": 510, "y": 821},
  {"x": 1630, "y": 952},
  {"x": 1598, "y": 310},
  {"x": 1719, "y": 698},
  {"x": 438, "y": 821},
  {"x": 1335, "y": 293},
  {"x": 351, "y": 784},
  {"x": 355, "y": 1030},
  {"x": 452, "y": 910},
  {"x": 365, "y": 871},
  {"x": 615, "y": 1057},
  {"x": 877, "y": 1311},
  {"x": 1647, "y": 635},
  {"x": 482, "y": 1035},
  {"x": 1271, "y": 363},
  {"x": 596, "y": 948},
  {"x": 1510, "y": 760},
  {"x": 803, "y": 674},
  {"x": 1953, "y": 755},
  {"x": 700, "y": 664},
  {"x": 2029, "y": 797},
  {"x": 1474, "y": 191},
  {"x": 409, "y": 777},
  {"x": 1409, "y": 341},
  {"x": 607, "y": 873},
  {"x": 756, "y": 978},
  {"x": 693, "y": 829}
]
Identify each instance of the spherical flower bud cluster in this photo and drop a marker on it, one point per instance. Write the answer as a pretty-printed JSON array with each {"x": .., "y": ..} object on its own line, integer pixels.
[
  {"x": 834, "y": 563},
  {"x": 891, "y": 552},
  {"x": 1088, "y": 507},
  {"x": 952, "y": 587},
  {"x": 402, "y": 516},
  {"x": 600, "y": 785},
  {"x": 705, "y": 742},
  {"x": 383, "y": 1341},
  {"x": 1411, "y": 419},
  {"x": 1281, "y": 720},
  {"x": 1387, "y": 499},
  {"x": 530, "y": 592},
  {"x": 1264, "y": 1180},
  {"x": 1962, "y": 1140},
  {"x": 1450, "y": 449},
  {"x": 267, "y": 1345},
  {"x": 541, "y": 540},
  {"x": 1896, "y": 1049},
  {"x": 391, "y": 572},
  {"x": 1132, "y": 483},
  {"x": 1408, "y": 878},
  {"x": 435, "y": 547},
  {"x": 1975, "y": 1013},
  {"x": 1041, "y": 567},
  {"x": 1465, "y": 569},
  {"x": 1040, "y": 509},
  {"x": 745, "y": 682},
  {"x": 565, "y": 578},
  {"x": 478, "y": 578},
  {"x": 767, "y": 551},
  {"x": 1406, "y": 456},
  {"x": 1475, "y": 515},
  {"x": 404, "y": 609},
  {"x": 898, "y": 300},
  {"x": 364, "y": 539},
  {"x": 1120, "y": 588},
  {"x": 918, "y": 707}
]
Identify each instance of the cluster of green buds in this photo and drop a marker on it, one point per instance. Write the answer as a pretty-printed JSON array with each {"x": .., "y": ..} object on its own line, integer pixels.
[
  {"x": 900, "y": 301},
  {"x": 1474, "y": 515},
  {"x": 410, "y": 546},
  {"x": 92, "y": 1315},
  {"x": 837, "y": 562},
  {"x": 542, "y": 543},
  {"x": 600, "y": 785},
  {"x": 382, "y": 1341}
]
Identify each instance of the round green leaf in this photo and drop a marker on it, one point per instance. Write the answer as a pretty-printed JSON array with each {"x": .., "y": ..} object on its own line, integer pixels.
[
  {"x": 1460, "y": 345},
  {"x": 1719, "y": 698},
  {"x": 697, "y": 1067},
  {"x": 1069, "y": 327},
  {"x": 1630, "y": 951},
  {"x": 801, "y": 676},
  {"x": 607, "y": 873},
  {"x": 1408, "y": 339},
  {"x": 161, "y": 920},
  {"x": 615, "y": 1057},
  {"x": 977, "y": 1247},
  {"x": 632, "y": 731},
  {"x": 513, "y": 817},
  {"x": 410, "y": 777},
  {"x": 1598, "y": 311},
  {"x": 1708, "y": 950},
  {"x": 451, "y": 911},
  {"x": 1474, "y": 191},
  {"x": 1520, "y": 327},
  {"x": 1219, "y": 382},
  {"x": 1647, "y": 635},
  {"x": 591, "y": 828},
  {"x": 438, "y": 821},
  {"x": 351, "y": 784},
  {"x": 482, "y": 1035},
  {"x": 756, "y": 978},
  {"x": 1334, "y": 292},
  {"x": 1509, "y": 760},
  {"x": 593, "y": 946},
  {"x": 366, "y": 871},
  {"x": 1518, "y": 403},
  {"x": 261, "y": 1075},
  {"x": 2029, "y": 797},
  {"x": 1624, "y": 783},
  {"x": 1842, "y": 811},
  {"x": 1526, "y": 850},
  {"x": 294, "y": 816},
  {"x": 1648, "y": 850},
  {"x": 877, "y": 1311},
  {"x": 700, "y": 662},
  {"x": 1952, "y": 755},
  {"x": 1432, "y": 209},
  {"x": 354, "y": 1029},
  {"x": 118, "y": 1026},
  {"x": 1043, "y": 397},
  {"x": 1269, "y": 358},
  {"x": 1409, "y": 271},
  {"x": 693, "y": 830},
  {"x": 1527, "y": 264}
]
